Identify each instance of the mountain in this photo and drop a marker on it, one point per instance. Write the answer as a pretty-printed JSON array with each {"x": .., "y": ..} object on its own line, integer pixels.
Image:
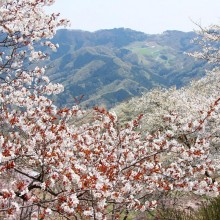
[{"x": 109, "y": 66}]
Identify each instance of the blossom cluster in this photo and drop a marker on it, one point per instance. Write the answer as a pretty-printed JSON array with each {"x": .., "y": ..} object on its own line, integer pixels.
[{"x": 70, "y": 163}]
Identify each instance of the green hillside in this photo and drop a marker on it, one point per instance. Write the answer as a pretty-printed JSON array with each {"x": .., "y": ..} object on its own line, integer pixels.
[{"x": 110, "y": 66}]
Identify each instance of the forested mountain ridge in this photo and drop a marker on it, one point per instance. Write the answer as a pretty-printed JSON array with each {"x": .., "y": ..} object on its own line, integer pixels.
[{"x": 110, "y": 66}]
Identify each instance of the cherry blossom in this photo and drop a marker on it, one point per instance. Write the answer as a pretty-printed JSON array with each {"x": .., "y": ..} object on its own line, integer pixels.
[{"x": 75, "y": 163}]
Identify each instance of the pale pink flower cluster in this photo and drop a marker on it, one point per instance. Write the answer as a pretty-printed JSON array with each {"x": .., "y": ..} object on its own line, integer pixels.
[{"x": 63, "y": 162}]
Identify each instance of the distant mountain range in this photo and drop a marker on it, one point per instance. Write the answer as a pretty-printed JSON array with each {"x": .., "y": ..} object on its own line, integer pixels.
[{"x": 109, "y": 66}]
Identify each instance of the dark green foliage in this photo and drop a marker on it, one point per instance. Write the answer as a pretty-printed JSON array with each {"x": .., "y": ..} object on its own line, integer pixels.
[
  {"x": 119, "y": 95},
  {"x": 173, "y": 214},
  {"x": 208, "y": 211}
]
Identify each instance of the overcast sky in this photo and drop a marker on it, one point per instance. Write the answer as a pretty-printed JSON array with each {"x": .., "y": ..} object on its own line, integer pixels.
[{"x": 149, "y": 16}]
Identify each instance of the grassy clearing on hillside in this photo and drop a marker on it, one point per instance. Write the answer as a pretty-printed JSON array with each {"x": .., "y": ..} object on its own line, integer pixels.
[{"x": 151, "y": 51}]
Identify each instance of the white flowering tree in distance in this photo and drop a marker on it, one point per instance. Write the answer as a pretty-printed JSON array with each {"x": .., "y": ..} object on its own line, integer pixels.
[{"x": 53, "y": 169}]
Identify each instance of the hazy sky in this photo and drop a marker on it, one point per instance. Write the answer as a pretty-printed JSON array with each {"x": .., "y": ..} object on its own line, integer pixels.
[{"x": 149, "y": 16}]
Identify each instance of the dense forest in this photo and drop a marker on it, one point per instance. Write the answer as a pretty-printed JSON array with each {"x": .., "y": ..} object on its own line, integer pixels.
[{"x": 111, "y": 66}]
